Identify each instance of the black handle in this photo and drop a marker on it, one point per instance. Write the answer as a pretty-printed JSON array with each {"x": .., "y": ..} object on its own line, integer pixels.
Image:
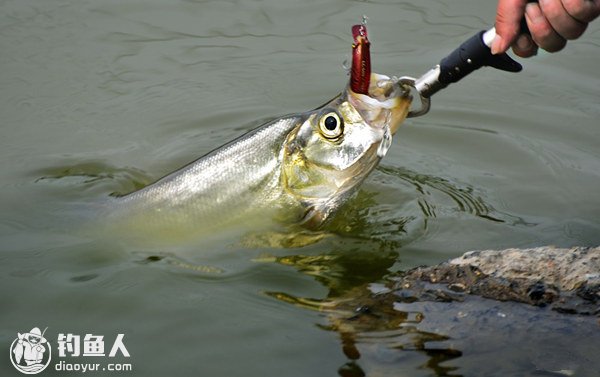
[
  {"x": 474, "y": 54},
  {"x": 471, "y": 55},
  {"x": 468, "y": 57}
]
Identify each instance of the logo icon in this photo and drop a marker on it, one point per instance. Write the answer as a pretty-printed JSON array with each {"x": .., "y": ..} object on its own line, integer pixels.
[{"x": 30, "y": 352}]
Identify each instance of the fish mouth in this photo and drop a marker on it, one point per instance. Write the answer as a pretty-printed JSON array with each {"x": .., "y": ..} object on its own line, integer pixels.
[{"x": 386, "y": 104}]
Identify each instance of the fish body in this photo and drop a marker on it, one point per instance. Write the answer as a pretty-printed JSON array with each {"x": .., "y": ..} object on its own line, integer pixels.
[
  {"x": 228, "y": 183},
  {"x": 299, "y": 168}
]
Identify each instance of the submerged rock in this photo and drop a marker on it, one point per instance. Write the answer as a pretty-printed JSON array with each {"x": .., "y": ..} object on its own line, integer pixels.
[{"x": 467, "y": 317}]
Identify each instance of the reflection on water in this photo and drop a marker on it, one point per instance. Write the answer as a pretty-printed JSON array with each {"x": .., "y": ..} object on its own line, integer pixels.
[{"x": 371, "y": 322}]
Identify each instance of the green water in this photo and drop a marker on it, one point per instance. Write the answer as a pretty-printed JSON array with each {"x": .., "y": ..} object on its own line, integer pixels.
[{"x": 98, "y": 97}]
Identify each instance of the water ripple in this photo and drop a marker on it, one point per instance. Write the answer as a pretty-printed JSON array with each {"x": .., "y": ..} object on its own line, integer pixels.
[{"x": 92, "y": 175}]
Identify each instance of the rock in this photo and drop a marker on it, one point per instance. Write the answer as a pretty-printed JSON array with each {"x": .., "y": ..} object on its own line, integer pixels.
[
  {"x": 566, "y": 279},
  {"x": 567, "y": 269}
]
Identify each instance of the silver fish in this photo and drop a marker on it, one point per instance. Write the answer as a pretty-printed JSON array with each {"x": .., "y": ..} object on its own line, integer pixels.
[{"x": 300, "y": 168}]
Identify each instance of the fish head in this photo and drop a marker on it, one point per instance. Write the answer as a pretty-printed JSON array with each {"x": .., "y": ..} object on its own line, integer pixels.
[{"x": 333, "y": 149}]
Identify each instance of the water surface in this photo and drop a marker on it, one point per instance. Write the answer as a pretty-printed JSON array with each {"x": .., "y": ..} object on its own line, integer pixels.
[{"x": 104, "y": 97}]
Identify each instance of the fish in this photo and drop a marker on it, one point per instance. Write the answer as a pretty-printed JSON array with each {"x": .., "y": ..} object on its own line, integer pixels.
[
  {"x": 18, "y": 350},
  {"x": 300, "y": 168}
]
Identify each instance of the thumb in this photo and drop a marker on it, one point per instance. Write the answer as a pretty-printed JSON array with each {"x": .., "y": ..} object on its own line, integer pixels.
[{"x": 508, "y": 22}]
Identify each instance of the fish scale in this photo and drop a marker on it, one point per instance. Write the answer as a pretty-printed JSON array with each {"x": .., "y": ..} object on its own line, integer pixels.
[{"x": 226, "y": 183}]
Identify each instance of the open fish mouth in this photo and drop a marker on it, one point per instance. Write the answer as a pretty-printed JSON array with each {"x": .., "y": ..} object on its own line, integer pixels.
[
  {"x": 381, "y": 100},
  {"x": 386, "y": 103}
]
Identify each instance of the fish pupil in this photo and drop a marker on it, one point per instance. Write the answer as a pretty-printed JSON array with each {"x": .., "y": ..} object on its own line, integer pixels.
[{"x": 331, "y": 123}]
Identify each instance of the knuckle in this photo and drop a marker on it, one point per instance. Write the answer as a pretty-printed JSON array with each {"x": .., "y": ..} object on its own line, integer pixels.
[
  {"x": 556, "y": 47},
  {"x": 574, "y": 32},
  {"x": 542, "y": 32},
  {"x": 582, "y": 10},
  {"x": 546, "y": 38},
  {"x": 525, "y": 53}
]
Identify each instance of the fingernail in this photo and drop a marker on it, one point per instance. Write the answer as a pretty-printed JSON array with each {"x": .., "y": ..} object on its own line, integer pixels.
[
  {"x": 533, "y": 13},
  {"x": 496, "y": 46}
]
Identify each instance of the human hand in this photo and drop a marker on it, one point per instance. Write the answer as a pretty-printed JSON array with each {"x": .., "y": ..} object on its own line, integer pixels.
[{"x": 551, "y": 23}]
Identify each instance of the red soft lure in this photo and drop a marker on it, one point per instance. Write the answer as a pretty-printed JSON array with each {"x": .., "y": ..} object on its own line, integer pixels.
[{"x": 360, "y": 73}]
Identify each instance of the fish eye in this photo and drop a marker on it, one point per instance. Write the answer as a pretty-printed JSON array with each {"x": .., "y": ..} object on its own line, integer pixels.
[{"x": 331, "y": 125}]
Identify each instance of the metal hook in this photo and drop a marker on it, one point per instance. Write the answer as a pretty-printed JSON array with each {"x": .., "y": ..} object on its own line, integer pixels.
[{"x": 408, "y": 84}]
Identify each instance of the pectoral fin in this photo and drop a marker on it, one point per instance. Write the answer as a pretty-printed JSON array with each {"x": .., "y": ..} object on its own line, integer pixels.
[{"x": 314, "y": 217}]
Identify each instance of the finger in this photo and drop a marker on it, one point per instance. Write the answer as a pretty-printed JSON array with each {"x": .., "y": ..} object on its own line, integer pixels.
[
  {"x": 582, "y": 10},
  {"x": 541, "y": 31},
  {"x": 524, "y": 46},
  {"x": 562, "y": 22},
  {"x": 508, "y": 17}
]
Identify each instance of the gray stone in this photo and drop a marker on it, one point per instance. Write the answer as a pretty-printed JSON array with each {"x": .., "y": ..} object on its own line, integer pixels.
[
  {"x": 566, "y": 269},
  {"x": 566, "y": 279}
]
